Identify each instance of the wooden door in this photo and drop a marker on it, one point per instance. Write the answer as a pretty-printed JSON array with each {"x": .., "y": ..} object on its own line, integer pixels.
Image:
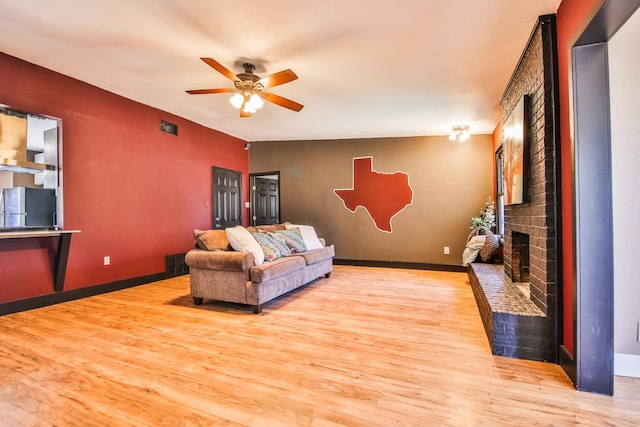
[
  {"x": 267, "y": 201},
  {"x": 227, "y": 198}
]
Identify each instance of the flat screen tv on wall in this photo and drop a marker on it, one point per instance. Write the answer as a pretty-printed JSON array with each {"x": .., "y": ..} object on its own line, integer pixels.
[{"x": 516, "y": 153}]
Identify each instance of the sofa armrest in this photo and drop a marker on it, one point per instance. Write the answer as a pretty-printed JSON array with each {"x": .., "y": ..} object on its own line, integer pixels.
[{"x": 219, "y": 260}]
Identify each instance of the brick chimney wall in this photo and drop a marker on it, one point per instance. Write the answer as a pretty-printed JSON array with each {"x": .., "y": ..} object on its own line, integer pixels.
[{"x": 536, "y": 77}]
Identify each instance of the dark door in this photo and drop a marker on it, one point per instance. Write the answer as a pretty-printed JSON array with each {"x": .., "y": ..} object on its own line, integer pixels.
[
  {"x": 227, "y": 198},
  {"x": 267, "y": 201}
]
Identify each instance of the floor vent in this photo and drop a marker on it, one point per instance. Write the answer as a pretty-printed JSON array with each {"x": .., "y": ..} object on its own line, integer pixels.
[{"x": 176, "y": 265}]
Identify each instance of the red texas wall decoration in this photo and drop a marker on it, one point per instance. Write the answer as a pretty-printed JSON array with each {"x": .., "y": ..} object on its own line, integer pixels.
[{"x": 382, "y": 195}]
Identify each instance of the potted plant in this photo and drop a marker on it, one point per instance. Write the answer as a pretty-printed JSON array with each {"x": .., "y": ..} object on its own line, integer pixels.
[{"x": 487, "y": 217}]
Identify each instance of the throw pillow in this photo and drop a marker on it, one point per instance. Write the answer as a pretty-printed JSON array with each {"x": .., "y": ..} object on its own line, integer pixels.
[
  {"x": 280, "y": 243},
  {"x": 268, "y": 245},
  {"x": 476, "y": 240},
  {"x": 212, "y": 240},
  {"x": 293, "y": 239},
  {"x": 308, "y": 235},
  {"x": 242, "y": 241}
]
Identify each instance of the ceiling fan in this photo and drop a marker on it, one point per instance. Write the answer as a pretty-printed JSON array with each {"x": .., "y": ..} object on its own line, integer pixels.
[{"x": 249, "y": 88}]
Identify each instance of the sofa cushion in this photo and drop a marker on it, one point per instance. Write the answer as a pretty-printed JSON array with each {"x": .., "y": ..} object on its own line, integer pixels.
[
  {"x": 316, "y": 255},
  {"x": 308, "y": 235},
  {"x": 242, "y": 241},
  {"x": 219, "y": 260},
  {"x": 292, "y": 238},
  {"x": 277, "y": 268},
  {"x": 212, "y": 240}
]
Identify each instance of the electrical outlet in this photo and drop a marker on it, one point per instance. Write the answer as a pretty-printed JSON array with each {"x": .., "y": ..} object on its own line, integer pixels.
[
  {"x": 107, "y": 260},
  {"x": 446, "y": 250}
]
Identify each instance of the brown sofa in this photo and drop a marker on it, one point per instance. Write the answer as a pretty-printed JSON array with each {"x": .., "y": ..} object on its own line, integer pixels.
[{"x": 228, "y": 275}]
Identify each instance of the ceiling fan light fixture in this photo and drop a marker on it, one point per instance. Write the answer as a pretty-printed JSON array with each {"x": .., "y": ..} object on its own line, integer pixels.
[
  {"x": 237, "y": 100},
  {"x": 256, "y": 101},
  {"x": 248, "y": 95},
  {"x": 248, "y": 103}
]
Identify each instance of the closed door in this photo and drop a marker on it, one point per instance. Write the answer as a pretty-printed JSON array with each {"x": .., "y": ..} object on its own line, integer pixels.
[
  {"x": 227, "y": 198},
  {"x": 267, "y": 201}
]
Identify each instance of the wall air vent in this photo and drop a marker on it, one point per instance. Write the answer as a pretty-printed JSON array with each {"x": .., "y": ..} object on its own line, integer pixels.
[{"x": 169, "y": 127}]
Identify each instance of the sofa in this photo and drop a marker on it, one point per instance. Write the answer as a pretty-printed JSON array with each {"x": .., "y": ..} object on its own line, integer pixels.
[{"x": 254, "y": 265}]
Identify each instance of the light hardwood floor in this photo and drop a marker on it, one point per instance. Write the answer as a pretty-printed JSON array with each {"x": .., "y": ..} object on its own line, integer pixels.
[{"x": 367, "y": 347}]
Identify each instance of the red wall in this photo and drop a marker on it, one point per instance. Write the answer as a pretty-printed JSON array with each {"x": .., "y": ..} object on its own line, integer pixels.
[
  {"x": 570, "y": 16},
  {"x": 135, "y": 193}
]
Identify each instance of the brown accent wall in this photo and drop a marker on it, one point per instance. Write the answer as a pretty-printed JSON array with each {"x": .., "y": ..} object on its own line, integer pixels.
[{"x": 450, "y": 180}]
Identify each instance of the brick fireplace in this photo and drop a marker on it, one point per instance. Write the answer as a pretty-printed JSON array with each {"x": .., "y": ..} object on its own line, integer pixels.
[
  {"x": 524, "y": 324},
  {"x": 531, "y": 230},
  {"x": 519, "y": 262}
]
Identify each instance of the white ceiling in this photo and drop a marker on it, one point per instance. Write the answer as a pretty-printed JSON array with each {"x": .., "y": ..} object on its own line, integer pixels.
[{"x": 366, "y": 68}]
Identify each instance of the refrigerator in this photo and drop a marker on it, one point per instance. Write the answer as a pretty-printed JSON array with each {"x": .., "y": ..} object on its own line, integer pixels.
[{"x": 24, "y": 207}]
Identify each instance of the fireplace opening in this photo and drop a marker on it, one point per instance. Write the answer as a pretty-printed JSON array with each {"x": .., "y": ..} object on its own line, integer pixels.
[{"x": 519, "y": 257}]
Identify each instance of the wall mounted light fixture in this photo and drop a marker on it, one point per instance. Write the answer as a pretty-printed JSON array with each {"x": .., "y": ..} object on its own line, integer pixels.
[{"x": 460, "y": 133}]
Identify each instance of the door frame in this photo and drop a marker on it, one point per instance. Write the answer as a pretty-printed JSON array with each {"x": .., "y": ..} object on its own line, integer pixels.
[
  {"x": 591, "y": 367},
  {"x": 253, "y": 192}
]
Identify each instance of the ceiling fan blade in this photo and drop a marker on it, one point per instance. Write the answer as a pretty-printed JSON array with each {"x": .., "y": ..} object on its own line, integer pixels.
[
  {"x": 220, "y": 68},
  {"x": 244, "y": 113},
  {"x": 205, "y": 91},
  {"x": 283, "y": 102},
  {"x": 279, "y": 78}
]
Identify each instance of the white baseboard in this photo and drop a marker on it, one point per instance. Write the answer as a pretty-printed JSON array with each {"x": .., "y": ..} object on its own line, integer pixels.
[{"x": 626, "y": 365}]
